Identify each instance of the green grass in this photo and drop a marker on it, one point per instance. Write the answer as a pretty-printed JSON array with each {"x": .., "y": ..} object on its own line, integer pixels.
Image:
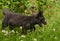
[{"x": 49, "y": 32}]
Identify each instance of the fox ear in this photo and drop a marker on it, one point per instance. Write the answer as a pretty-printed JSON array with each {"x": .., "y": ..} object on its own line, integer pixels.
[{"x": 5, "y": 11}]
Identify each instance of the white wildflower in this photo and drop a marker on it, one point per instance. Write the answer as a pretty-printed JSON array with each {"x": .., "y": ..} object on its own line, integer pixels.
[
  {"x": 55, "y": 37},
  {"x": 21, "y": 27},
  {"x": 23, "y": 36},
  {"x": 35, "y": 39},
  {"x": 54, "y": 30},
  {"x": 6, "y": 33},
  {"x": 13, "y": 31},
  {"x": 21, "y": 40},
  {"x": 3, "y": 31},
  {"x": 17, "y": 32}
]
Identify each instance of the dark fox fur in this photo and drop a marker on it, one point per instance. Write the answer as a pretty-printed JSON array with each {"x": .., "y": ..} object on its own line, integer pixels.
[{"x": 27, "y": 22}]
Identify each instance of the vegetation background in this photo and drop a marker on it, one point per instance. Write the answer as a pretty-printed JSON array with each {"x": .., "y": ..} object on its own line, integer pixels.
[{"x": 49, "y": 32}]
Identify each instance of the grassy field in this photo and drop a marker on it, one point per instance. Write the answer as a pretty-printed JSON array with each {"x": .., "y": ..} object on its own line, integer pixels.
[{"x": 49, "y": 32}]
